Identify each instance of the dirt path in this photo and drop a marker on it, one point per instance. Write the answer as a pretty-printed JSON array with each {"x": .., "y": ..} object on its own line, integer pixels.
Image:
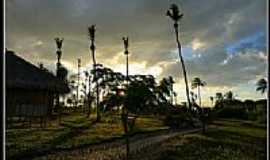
[{"x": 116, "y": 150}]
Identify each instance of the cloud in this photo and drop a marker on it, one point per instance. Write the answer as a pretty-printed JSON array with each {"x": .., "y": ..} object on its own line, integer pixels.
[{"x": 209, "y": 31}]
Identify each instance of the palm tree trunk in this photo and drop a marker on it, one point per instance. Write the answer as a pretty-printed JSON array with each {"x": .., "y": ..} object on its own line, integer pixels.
[
  {"x": 78, "y": 82},
  {"x": 88, "y": 97},
  {"x": 126, "y": 125},
  {"x": 199, "y": 94},
  {"x": 97, "y": 86},
  {"x": 183, "y": 64},
  {"x": 58, "y": 95}
]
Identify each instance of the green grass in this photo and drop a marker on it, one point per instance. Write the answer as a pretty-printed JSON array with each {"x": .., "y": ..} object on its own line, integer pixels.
[
  {"x": 75, "y": 130},
  {"x": 232, "y": 140}
]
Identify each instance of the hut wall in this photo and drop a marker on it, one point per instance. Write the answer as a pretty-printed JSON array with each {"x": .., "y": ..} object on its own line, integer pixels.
[{"x": 25, "y": 103}]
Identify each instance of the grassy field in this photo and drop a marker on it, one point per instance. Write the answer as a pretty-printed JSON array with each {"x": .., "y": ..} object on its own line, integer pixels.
[
  {"x": 74, "y": 131},
  {"x": 227, "y": 140},
  {"x": 224, "y": 140}
]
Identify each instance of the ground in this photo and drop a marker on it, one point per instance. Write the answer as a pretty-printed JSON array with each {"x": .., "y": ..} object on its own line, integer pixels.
[
  {"x": 226, "y": 139},
  {"x": 78, "y": 138},
  {"x": 75, "y": 131}
]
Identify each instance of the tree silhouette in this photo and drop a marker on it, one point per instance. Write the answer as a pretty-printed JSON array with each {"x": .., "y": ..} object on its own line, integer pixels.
[
  {"x": 78, "y": 79},
  {"x": 219, "y": 100},
  {"x": 164, "y": 89},
  {"x": 212, "y": 100},
  {"x": 88, "y": 95},
  {"x": 198, "y": 83},
  {"x": 229, "y": 96},
  {"x": 59, "y": 42},
  {"x": 125, "y": 110},
  {"x": 91, "y": 33},
  {"x": 175, "y": 15},
  {"x": 261, "y": 85},
  {"x": 193, "y": 97}
]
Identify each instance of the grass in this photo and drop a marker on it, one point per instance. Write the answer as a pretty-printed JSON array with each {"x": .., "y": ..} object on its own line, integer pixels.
[
  {"x": 226, "y": 139},
  {"x": 231, "y": 140},
  {"x": 75, "y": 130}
]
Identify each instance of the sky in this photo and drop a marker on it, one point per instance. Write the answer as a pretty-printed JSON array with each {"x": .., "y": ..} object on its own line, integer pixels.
[{"x": 223, "y": 42}]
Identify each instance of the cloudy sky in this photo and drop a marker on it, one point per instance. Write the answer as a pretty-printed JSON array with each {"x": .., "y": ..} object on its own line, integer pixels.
[{"x": 224, "y": 41}]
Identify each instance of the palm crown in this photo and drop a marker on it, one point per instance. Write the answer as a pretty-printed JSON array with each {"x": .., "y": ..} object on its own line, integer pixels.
[
  {"x": 197, "y": 82},
  {"x": 261, "y": 85},
  {"x": 174, "y": 13}
]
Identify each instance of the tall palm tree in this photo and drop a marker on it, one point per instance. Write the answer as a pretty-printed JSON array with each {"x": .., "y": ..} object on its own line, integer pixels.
[
  {"x": 91, "y": 32},
  {"x": 59, "y": 43},
  {"x": 174, "y": 14},
  {"x": 125, "y": 114},
  {"x": 198, "y": 83},
  {"x": 262, "y": 85}
]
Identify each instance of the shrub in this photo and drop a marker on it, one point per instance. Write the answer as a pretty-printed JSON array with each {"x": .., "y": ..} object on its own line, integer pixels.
[
  {"x": 182, "y": 120},
  {"x": 229, "y": 112}
]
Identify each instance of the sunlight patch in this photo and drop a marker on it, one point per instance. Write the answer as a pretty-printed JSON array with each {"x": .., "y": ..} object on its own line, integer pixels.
[{"x": 197, "y": 44}]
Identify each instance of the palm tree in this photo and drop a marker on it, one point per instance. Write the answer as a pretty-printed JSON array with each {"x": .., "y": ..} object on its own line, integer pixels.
[
  {"x": 59, "y": 42},
  {"x": 125, "y": 114},
  {"x": 198, "y": 83},
  {"x": 262, "y": 85},
  {"x": 211, "y": 99},
  {"x": 91, "y": 32},
  {"x": 174, "y": 14}
]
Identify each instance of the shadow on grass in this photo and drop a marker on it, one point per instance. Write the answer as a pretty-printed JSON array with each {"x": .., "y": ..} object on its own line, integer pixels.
[
  {"x": 222, "y": 144},
  {"x": 71, "y": 129}
]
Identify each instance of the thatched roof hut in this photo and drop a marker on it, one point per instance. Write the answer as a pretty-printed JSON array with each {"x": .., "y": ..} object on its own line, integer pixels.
[
  {"x": 24, "y": 75},
  {"x": 30, "y": 90}
]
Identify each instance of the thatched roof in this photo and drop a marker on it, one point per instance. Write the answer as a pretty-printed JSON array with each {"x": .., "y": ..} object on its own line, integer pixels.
[{"x": 24, "y": 75}]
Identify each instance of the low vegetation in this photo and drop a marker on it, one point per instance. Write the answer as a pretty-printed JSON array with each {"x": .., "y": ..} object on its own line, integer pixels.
[
  {"x": 225, "y": 139},
  {"x": 74, "y": 131}
]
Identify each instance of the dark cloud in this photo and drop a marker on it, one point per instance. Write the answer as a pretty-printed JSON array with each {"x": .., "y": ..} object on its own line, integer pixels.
[{"x": 32, "y": 25}]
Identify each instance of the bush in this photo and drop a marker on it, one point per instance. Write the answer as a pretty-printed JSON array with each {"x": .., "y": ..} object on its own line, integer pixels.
[
  {"x": 229, "y": 112},
  {"x": 182, "y": 120},
  {"x": 262, "y": 117}
]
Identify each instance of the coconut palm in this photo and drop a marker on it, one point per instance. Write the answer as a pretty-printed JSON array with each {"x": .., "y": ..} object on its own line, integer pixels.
[
  {"x": 198, "y": 83},
  {"x": 125, "y": 112},
  {"x": 174, "y": 14},
  {"x": 262, "y": 85},
  {"x": 91, "y": 32},
  {"x": 59, "y": 42}
]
